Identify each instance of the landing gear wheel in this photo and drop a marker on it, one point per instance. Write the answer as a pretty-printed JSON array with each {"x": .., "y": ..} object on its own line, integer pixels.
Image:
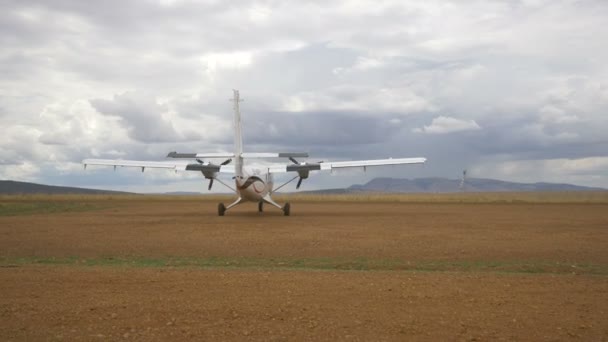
[
  {"x": 286, "y": 208},
  {"x": 260, "y": 206},
  {"x": 221, "y": 209}
]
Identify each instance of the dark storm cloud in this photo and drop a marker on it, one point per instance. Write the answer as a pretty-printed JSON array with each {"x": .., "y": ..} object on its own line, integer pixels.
[
  {"x": 316, "y": 128},
  {"x": 462, "y": 84},
  {"x": 141, "y": 116}
]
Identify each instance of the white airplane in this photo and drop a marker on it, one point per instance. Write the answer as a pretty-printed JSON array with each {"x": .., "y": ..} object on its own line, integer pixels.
[{"x": 252, "y": 182}]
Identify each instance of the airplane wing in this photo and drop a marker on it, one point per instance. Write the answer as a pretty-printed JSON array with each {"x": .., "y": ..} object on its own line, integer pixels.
[
  {"x": 177, "y": 165},
  {"x": 328, "y": 166}
]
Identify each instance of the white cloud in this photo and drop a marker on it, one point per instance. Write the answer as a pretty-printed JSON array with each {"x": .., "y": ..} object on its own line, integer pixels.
[
  {"x": 359, "y": 98},
  {"x": 364, "y": 63},
  {"x": 26, "y": 171},
  {"x": 552, "y": 114},
  {"x": 446, "y": 124},
  {"x": 214, "y": 62}
]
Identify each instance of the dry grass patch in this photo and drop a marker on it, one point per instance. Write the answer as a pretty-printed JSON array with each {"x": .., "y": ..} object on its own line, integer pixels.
[{"x": 598, "y": 197}]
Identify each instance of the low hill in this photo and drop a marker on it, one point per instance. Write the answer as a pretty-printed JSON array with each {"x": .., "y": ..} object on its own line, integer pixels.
[
  {"x": 453, "y": 185},
  {"x": 22, "y": 188}
]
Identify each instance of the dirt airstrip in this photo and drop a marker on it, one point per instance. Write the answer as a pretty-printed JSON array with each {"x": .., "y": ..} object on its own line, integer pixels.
[{"x": 171, "y": 269}]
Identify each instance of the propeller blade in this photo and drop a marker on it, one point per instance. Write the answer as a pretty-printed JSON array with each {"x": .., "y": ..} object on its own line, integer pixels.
[
  {"x": 299, "y": 183},
  {"x": 210, "y": 184},
  {"x": 293, "y": 160},
  {"x": 226, "y": 162},
  {"x": 200, "y": 161}
]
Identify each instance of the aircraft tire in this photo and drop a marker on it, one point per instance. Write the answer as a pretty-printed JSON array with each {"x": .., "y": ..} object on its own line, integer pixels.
[
  {"x": 221, "y": 209},
  {"x": 286, "y": 209}
]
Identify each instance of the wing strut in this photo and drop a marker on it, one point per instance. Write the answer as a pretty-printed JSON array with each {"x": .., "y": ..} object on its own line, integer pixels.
[
  {"x": 224, "y": 184},
  {"x": 289, "y": 181}
]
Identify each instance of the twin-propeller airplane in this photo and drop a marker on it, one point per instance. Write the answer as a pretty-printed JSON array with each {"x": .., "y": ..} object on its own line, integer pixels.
[{"x": 252, "y": 182}]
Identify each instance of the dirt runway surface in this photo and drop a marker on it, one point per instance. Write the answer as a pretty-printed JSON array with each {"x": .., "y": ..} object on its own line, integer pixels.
[
  {"x": 552, "y": 232},
  {"x": 75, "y": 302},
  {"x": 59, "y": 303}
]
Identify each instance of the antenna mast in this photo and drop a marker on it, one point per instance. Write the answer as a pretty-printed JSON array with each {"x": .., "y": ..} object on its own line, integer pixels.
[{"x": 462, "y": 180}]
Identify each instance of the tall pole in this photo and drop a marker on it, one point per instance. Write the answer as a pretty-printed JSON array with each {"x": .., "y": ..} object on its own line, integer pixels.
[
  {"x": 238, "y": 136},
  {"x": 462, "y": 180}
]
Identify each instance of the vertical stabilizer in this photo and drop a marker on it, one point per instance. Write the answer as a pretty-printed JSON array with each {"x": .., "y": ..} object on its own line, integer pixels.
[{"x": 238, "y": 136}]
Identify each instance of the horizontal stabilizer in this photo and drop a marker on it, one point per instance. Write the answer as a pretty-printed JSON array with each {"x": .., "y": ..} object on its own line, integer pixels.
[
  {"x": 244, "y": 155},
  {"x": 200, "y": 155},
  {"x": 275, "y": 155}
]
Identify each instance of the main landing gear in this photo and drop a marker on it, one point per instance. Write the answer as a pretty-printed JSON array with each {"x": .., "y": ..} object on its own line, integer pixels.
[{"x": 286, "y": 209}]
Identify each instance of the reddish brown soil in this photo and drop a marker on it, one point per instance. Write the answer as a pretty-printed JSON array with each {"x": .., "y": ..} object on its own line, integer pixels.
[
  {"x": 72, "y": 303},
  {"x": 107, "y": 303}
]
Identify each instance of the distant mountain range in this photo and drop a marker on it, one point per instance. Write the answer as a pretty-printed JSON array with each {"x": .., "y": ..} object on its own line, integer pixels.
[
  {"x": 389, "y": 185},
  {"x": 453, "y": 185}
]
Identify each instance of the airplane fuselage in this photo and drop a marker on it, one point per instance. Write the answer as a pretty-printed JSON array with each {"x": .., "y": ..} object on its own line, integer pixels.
[{"x": 254, "y": 184}]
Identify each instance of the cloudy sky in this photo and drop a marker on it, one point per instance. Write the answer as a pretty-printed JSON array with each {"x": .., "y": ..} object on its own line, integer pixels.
[{"x": 514, "y": 90}]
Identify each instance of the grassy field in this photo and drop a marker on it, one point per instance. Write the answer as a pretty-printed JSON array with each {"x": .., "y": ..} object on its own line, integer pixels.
[
  {"x": 335, "y": 264},
  {"x": 600, "y": 197},
  {"x": 485, "y": 197},
  {"x": 46, "y": 206}
]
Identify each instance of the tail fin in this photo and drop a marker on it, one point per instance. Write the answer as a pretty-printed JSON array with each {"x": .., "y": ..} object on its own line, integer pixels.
[{"x": 238, "y": 136}]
